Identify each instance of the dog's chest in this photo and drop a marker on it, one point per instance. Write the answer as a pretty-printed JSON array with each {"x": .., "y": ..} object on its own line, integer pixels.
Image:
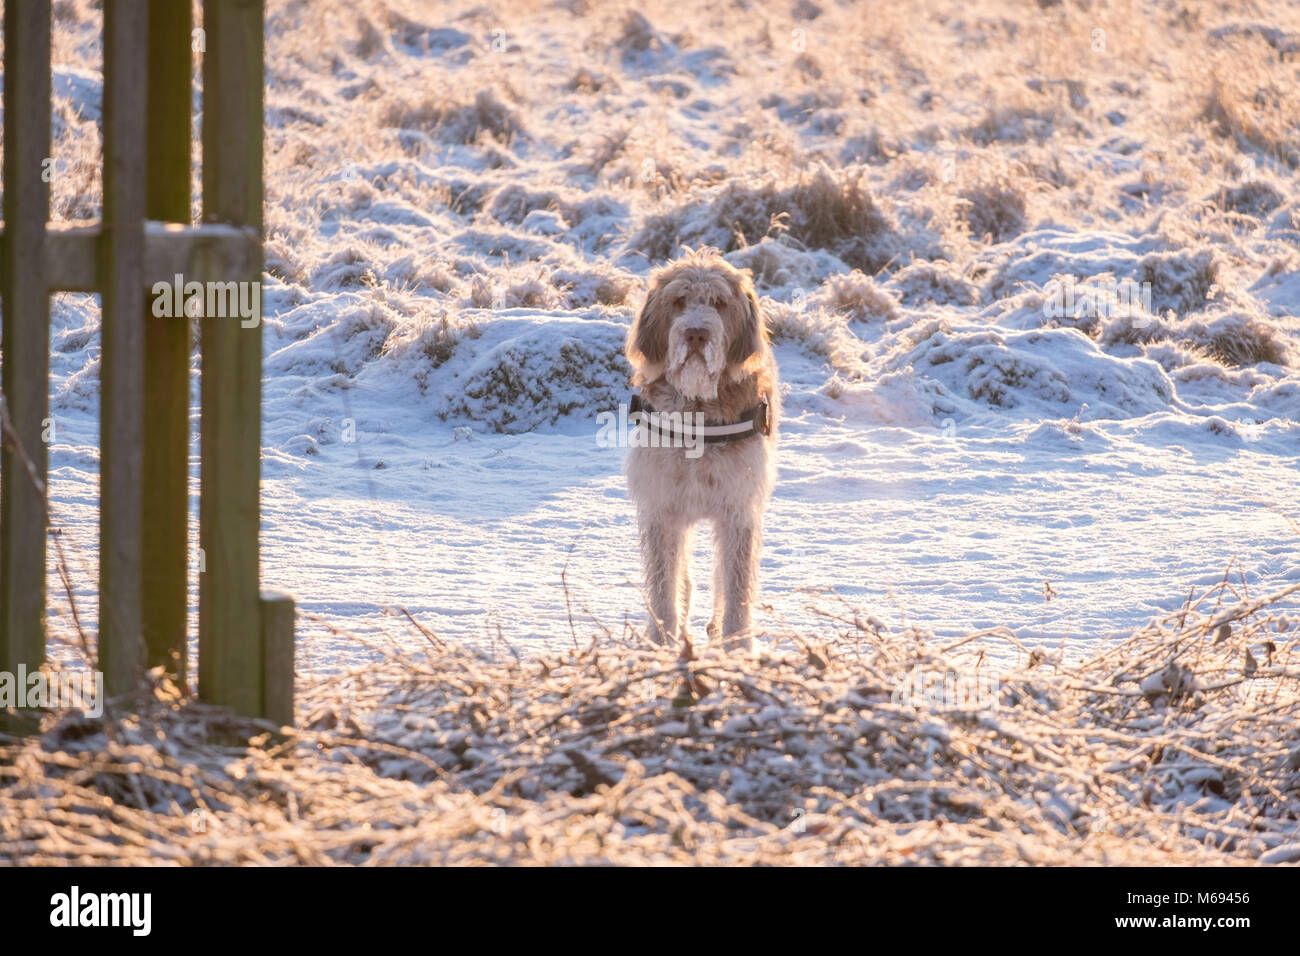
[{"x": 721, "y": 478}]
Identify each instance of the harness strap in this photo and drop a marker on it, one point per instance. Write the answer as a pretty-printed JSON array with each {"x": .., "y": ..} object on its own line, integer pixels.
[{"x": 752, "y": 422}]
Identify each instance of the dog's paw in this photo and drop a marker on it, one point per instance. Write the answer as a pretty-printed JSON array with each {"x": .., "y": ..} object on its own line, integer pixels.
[
  {"x": 738, "y": 644},
  {"x": 655, "y": 635}
]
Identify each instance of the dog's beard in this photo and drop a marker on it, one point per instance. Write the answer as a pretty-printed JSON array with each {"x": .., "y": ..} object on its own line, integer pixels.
[{"x": 695, "y": 374}]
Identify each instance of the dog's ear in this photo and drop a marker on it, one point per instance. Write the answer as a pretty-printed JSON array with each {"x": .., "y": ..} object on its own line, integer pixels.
[
  {"x": 749, "y": 333},
  {"x": 647, "y": 340}
]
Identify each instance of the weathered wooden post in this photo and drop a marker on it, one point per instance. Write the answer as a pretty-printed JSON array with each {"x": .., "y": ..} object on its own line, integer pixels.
[
  {"x": 122, "y": 280},
  {"x": 26, "y": 338},
  {"x": 231, "y": 657},
  {"x": 164, "y": 543},
  {"x": 245, "y": 636},
  {"x": 277, "y": 657}
]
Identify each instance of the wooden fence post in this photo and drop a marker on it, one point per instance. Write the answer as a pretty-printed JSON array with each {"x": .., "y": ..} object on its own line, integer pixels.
[
  {"x": 245, "y": 637},
  {"x": 26, "y": 337},
  {"x": 231, "y": 658},
  {"x": 121, "y": 643},
  {"x": 164, "y": 540},
  {"x": 277, "y": 657}
]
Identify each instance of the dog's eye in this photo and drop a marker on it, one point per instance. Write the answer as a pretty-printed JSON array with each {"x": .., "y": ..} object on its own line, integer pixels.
[{"x": 679, "y": 302}]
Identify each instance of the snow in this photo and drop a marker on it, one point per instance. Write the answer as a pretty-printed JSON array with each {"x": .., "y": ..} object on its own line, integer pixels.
[{"x": 458, "y": 236}]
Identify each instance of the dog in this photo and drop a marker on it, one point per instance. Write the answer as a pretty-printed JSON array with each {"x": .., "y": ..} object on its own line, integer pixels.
[{"x": 705, "y": 447}]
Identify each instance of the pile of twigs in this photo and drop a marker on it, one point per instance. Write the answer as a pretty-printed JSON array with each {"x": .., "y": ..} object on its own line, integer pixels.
[{"x": 1179, "y": 745}]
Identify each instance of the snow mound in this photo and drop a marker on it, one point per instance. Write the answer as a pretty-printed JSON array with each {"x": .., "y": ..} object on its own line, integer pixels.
[
  {"x": 1179, "y": 279},
  {"x": 939, "y": 282},
  {"x": 1044, "y": 373},
  {"x": 508, "y": 370},
  {"x": 526, "y": 372}
]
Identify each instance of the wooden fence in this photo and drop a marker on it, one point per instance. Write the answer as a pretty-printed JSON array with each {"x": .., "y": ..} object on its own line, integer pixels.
[{"x": 145, "y": 236}]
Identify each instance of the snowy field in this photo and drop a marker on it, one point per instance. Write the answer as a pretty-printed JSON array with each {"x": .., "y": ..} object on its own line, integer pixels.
[{"x": 464, "y": 201}]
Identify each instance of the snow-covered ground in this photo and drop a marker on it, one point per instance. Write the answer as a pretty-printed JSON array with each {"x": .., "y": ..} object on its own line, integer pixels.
[{"x": 464, "y": 201}]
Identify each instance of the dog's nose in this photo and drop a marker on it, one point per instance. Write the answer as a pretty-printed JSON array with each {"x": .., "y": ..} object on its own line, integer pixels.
[{"x": 696, "y": 338}]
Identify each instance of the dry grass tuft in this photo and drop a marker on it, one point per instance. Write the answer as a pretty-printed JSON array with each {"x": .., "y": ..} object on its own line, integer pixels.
[
  {"x": 433, "y": 339},
  {"x": 859, "y": 297},
  {"x": 993, "y": 211},
  {"x": 638, "y": 34},
  {"x": 824, "y": 209},
  {"x": 1256, "y": 198},
  {"x": 452, "y": 121},
  {"x": 939, "y": 281},
  {"x": 1184, "y": 281},
  {"x": 817, "y": 331},
  {"x": 1255, "y": 111},
  {"x": 836, "y": 211},
  {"x": 1233, "y": 337}
]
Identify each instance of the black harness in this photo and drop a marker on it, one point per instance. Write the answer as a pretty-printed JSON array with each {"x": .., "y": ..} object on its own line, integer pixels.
[{"x": 673, "y": 429}]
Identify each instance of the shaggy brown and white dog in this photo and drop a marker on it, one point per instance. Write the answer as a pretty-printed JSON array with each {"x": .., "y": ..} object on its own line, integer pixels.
[{"x": 700, "y": 346}]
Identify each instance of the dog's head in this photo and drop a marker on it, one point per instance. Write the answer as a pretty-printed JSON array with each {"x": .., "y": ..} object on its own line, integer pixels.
[{"x": 700, "y": 325}]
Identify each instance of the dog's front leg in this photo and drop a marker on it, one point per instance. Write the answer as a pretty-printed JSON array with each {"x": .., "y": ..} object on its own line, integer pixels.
[
  {"x": 737, "y": 574},
  {"x": 661, "y": 556},
  {"x": 684, "y": 584}
]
